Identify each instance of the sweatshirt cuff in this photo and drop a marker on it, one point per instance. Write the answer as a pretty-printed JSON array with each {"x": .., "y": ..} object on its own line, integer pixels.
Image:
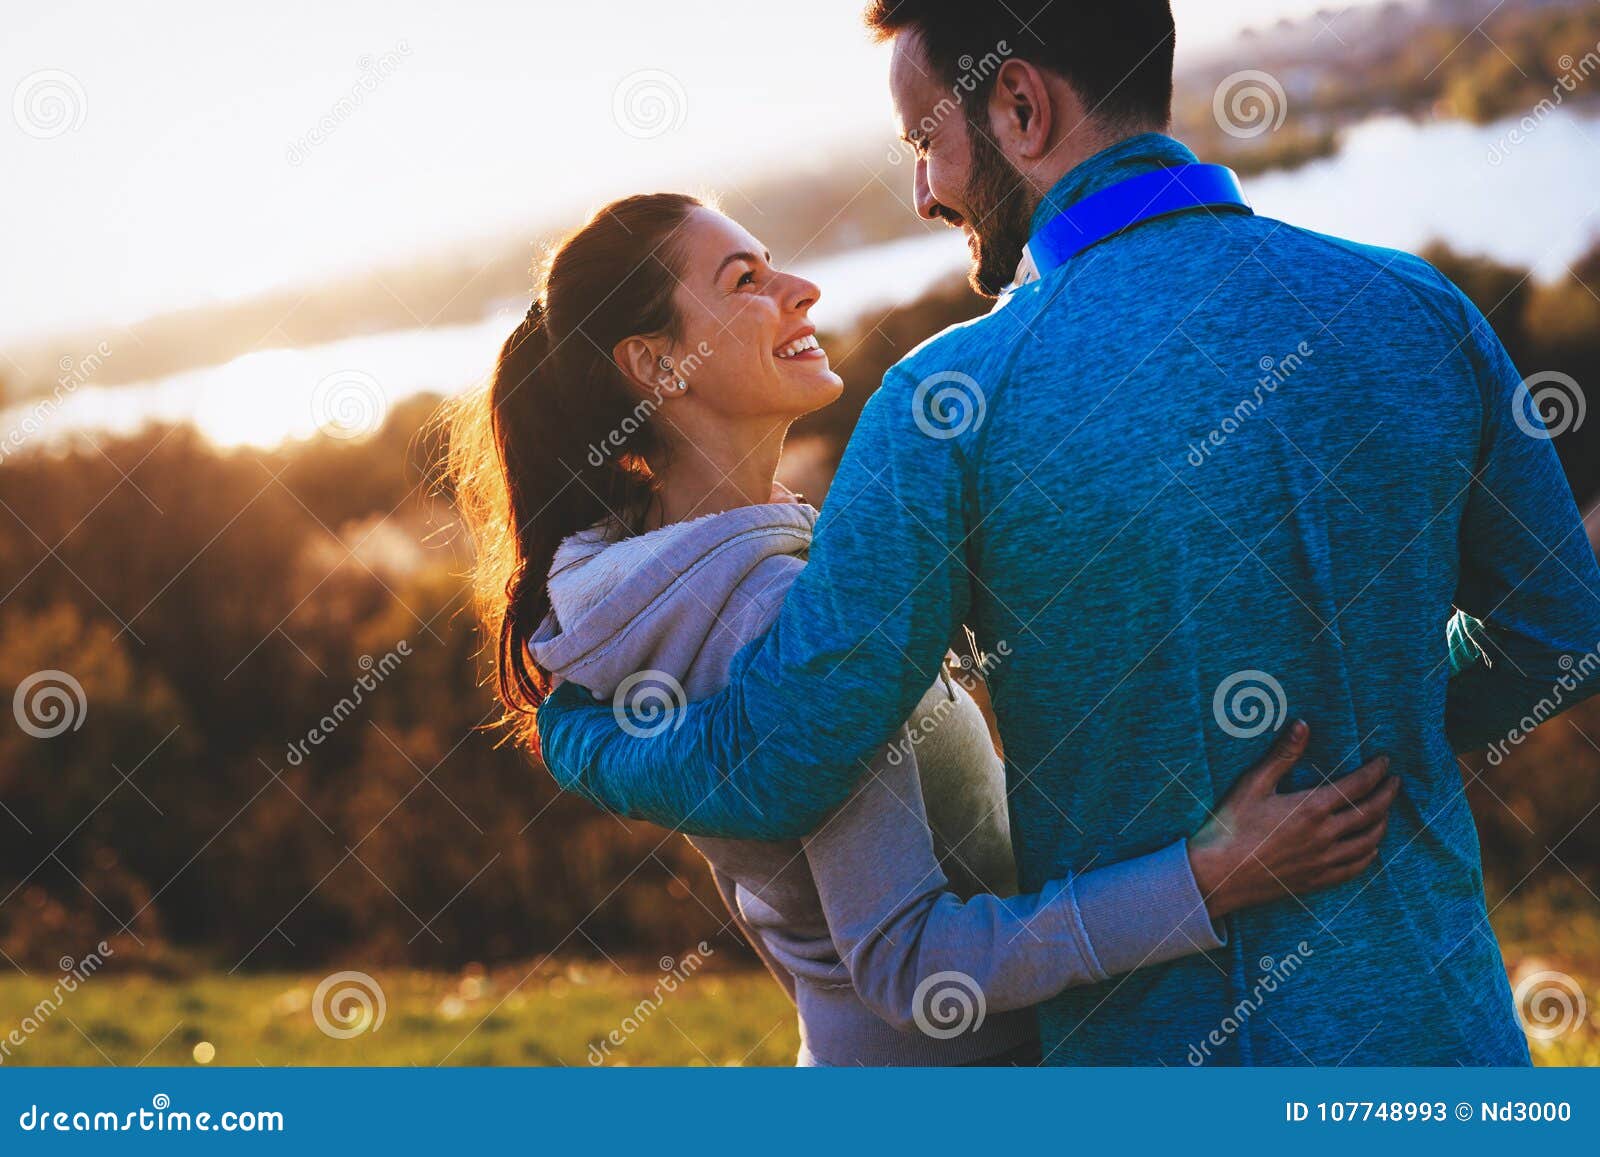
[{"x": 1145, "y": 911}]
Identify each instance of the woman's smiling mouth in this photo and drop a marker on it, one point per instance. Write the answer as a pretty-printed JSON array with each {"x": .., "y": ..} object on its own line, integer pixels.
[{"x": 806, "y": 348}]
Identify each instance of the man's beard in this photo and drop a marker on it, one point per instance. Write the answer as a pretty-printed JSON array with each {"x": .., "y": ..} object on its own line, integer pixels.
[{"x": 997, "y": 215}]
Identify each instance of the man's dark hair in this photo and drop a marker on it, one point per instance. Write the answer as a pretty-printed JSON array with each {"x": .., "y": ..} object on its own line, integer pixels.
[{"x": 1117, "y": 56}]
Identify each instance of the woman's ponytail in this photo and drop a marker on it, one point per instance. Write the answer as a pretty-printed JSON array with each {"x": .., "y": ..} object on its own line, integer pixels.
[{"x": 558, "y": 442}]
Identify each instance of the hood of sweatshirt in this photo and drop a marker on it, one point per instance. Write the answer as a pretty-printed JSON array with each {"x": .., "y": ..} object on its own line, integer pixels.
[{"x": 622, "y": 606}]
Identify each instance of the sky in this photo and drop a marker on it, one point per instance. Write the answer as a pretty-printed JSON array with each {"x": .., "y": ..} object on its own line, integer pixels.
[{"x": 166, "y": 155}]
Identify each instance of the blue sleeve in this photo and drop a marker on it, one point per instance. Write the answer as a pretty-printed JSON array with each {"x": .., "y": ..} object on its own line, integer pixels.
[
  {"x": 1528, "y": 573},
  {"x": 861, "y": 636}
]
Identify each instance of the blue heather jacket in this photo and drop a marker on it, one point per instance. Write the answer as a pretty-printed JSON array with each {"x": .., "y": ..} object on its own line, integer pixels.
[{"x": 1210, "y": 474}]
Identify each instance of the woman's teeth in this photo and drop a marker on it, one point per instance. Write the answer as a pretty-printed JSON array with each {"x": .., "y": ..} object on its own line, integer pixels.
[{"x": 800, "y": 347}]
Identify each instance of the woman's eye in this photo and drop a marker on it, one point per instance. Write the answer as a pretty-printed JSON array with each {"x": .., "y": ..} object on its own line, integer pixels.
[{"x": 748, "y": 277}]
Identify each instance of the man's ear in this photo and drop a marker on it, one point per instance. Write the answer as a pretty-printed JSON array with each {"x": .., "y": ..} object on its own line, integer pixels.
[
  {"x": 644, "y": 362},
  {"x": 1022, "y": 111}
]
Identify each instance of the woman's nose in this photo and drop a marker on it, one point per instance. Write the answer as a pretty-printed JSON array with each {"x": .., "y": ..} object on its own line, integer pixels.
[{"x": 800, "y": 295}]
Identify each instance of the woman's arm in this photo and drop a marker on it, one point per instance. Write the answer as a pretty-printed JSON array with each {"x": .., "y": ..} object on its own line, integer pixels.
[
  {"x": 897, "y": 925},
  {"x": 728, "y": 889},
  {"x": 1261, "y": 844}
]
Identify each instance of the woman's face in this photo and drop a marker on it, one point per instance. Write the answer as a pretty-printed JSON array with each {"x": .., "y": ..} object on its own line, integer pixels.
[{"x": 746, "y": 345}]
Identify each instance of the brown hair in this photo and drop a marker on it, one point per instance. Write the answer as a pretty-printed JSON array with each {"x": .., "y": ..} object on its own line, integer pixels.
[
  {"x": 1117, "y": 57},
  {"x": 538, "y": 455}
]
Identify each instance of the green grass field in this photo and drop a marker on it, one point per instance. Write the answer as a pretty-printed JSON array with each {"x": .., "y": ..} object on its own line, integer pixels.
[
  {"x": 556, "y": 1015},
  {"x": 551, "y": 1018}
]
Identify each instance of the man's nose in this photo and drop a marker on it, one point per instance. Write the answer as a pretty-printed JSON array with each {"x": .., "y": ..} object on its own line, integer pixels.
[{"x": 927, "y": 207}]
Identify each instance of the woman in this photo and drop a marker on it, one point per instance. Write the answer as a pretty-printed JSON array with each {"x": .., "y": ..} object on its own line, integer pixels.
[{"x": 619, "y": 477}]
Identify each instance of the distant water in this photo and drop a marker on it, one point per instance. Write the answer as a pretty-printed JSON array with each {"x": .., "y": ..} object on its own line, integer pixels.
[
  {"x": 271, "y": 396},
  {"x": 1535, "y": 203}
]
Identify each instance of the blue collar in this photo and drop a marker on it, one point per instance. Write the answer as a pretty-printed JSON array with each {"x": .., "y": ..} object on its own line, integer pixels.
[
  {"x": 1119, "y": 207},
  {"x": 1130, "y": 157}
]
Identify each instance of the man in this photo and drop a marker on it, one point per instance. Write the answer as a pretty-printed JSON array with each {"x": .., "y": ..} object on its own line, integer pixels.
[{"x": 1199, "y": 471}]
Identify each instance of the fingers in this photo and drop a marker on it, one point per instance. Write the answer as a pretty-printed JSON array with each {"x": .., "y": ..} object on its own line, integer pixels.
[
  {"x": 1333, "y": 877},
  {"x": 1364, "y": 812},
  {"x": 1360, "y": 846},
  {"x": 1345, "y": 843},
  {"x": 1345, "y": 871},
  {"x": 1286, "y": 751},
  {"x": 1351, "y": 857},
  {"x": 1343, "y": 793}
]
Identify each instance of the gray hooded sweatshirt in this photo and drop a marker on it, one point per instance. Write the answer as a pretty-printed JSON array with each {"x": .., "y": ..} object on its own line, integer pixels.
[{"x": 895, "y": 926}]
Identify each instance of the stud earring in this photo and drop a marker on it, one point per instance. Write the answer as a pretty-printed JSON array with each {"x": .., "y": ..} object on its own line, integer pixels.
[{"x": 677, "y": 384}]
